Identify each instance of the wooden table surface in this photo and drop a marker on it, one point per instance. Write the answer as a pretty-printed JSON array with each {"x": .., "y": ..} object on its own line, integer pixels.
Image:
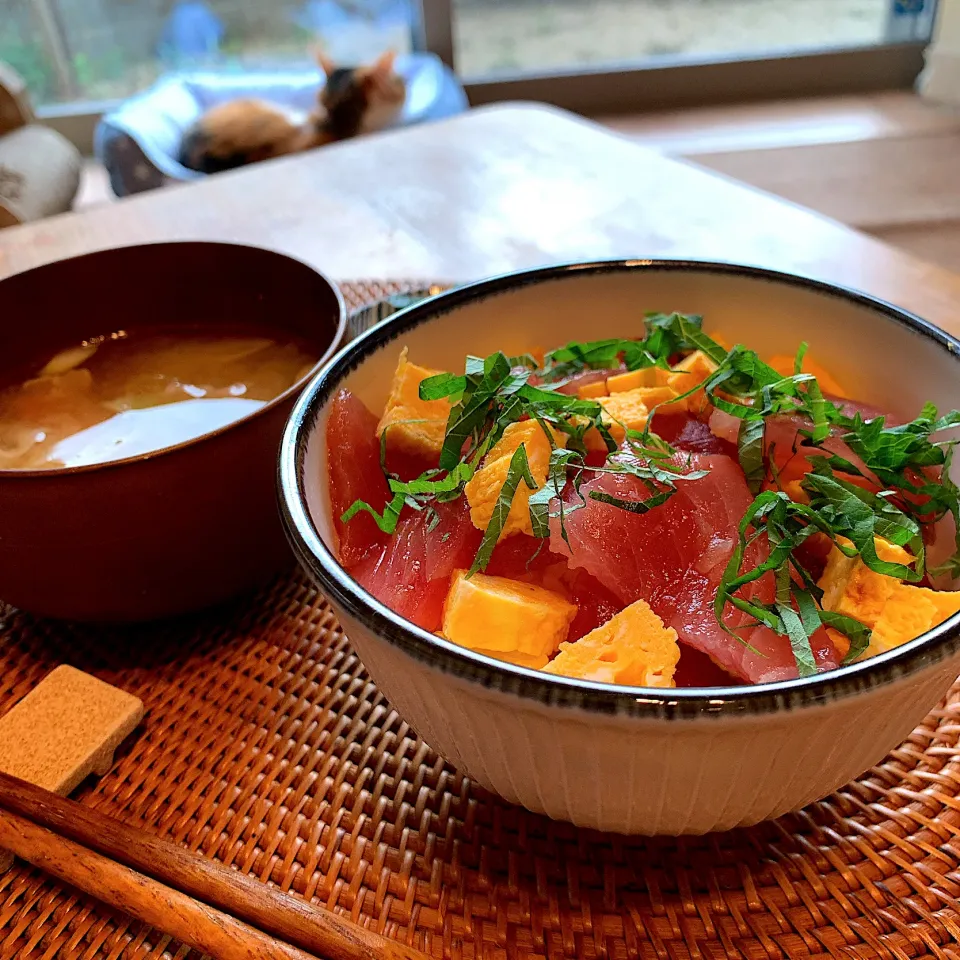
[{"x": 496, "y": 189}]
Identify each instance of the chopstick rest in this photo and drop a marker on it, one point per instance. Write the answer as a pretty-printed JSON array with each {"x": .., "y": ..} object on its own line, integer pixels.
[{"x": 63, "y": 730}]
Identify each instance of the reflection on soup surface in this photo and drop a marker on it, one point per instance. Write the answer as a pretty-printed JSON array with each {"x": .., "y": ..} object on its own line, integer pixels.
[{"x": 120, "y": 396}]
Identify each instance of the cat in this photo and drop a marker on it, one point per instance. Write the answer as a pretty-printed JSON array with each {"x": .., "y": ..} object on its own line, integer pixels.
[{"x": 354, "y": 100}]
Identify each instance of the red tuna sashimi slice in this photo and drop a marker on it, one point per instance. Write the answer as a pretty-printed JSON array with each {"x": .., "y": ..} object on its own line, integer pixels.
[
  {"x": 411, "y": 572},
  {"x": 787, "y": 450},
  {"x": 783, "y": 443},
  {"x": 396, "y": 576},
  {"x": 783, "y": 429},
  {"x": 522, "y": 557},
  {"x": 452, "y": 539},
  {"x": 408, "y": 466},
  {"x": 519, "y": 556},
  {"x": 780, "y": 432},
  {"x": 595, "y": 604},
  {"x": 791, "y": 455},
  {"x": 724, "y": 426},
  {"x": 686, "y": 432},
  {"x": 353, "y": 462},
  {"x": 866, "y": 410},
  {"x": 674, "y": 555},
  {"x": 696, "y": 669}
]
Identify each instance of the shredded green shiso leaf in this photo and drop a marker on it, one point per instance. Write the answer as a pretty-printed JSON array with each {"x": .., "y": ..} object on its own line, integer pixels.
[{"x": 908, "y": 465}]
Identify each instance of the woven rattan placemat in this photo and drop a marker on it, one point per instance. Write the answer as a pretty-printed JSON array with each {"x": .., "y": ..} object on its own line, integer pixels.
[{"x": 266, "y": 747}]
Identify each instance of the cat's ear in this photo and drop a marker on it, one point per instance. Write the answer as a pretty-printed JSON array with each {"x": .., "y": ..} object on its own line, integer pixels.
[
  {"x": 383, "y": 66},
  {"x": 323, "y": 61}
]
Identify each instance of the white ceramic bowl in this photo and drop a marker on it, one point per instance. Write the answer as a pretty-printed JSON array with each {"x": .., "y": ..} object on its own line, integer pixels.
[{"x": 616, "y": 758}]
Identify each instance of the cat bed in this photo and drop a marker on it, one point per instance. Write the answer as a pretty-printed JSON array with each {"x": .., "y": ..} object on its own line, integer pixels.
[{"x": 138, "y": 142}]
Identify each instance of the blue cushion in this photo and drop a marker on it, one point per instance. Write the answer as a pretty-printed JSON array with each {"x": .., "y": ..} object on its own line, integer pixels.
[{"x": 138, "y": 143}]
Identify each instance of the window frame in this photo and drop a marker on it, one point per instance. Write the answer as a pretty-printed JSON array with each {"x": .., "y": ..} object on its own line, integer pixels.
[
  {"x": 673, "y": 82},
  {"x": 660, "y": 83}
]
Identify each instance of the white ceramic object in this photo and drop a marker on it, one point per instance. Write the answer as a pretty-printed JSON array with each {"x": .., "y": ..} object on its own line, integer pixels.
[{"x": 615, "y": 758}]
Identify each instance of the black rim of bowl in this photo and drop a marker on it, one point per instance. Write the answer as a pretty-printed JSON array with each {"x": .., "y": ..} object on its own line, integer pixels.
[
  {"x": 932, "y": 647},
  {"x": 16, "y": 473}
]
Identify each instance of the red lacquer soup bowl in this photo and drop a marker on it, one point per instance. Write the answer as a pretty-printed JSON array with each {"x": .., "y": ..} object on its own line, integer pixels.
[{"x": 178, "y": 528}]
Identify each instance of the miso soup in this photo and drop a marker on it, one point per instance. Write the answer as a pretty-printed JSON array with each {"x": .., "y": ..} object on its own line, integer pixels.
[{"x": 124, "y": 395}]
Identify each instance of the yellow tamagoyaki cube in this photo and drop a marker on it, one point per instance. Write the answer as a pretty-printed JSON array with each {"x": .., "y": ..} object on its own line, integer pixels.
[
  {"x": 483, "y": 488},
  {"x": 632, "y": 379},
  {"x": 627, "y": 409},
  {"x": 648, "y": 378},
  {"x": 657, "y": 396},
  {"x": 896, "y": 612},
  {"x": 721, "y": 340},
  {"x": 413, "y": 425},
  {"x": 784, "y": 365},
  {"x": 691, "y": 370},
  {"x": 794, "y": 490},
  {"x": 850, "y": 587},
  {"x": 634, "y": 648},
  {"x": 593, "y": 390},
  {"x": 910, "y": 612},
  {"x": 507, "y": 619}
]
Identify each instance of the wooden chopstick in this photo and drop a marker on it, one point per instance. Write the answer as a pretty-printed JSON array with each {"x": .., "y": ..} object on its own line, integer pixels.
[
  {"x": 193, "y": 923},
  {"x": 268, "y": 909}
]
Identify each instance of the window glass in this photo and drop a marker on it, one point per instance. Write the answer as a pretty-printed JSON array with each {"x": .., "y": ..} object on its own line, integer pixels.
[
  {"x": 509, "y": 37},
  {"x": 75, "y": 50}
]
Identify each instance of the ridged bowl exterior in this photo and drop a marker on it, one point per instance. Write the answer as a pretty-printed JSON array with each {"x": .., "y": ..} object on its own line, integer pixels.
[{"x": 653, "y": 776}]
